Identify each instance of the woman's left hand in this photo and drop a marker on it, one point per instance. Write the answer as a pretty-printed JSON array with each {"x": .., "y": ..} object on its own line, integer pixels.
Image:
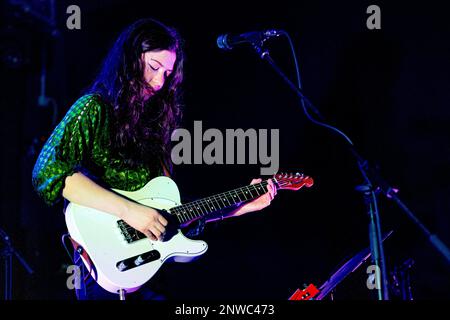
[{"x": 259, "y": 203}]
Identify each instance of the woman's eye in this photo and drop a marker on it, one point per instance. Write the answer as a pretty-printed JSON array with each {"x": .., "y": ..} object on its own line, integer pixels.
[{"x": 154, "y": 69}]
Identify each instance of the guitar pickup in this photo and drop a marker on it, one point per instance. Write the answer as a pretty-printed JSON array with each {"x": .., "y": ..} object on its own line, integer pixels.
[{"x": 138, "y": 260}]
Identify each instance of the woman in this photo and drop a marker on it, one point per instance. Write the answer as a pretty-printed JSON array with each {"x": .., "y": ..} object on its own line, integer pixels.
[{"x": 117, "y": 135}]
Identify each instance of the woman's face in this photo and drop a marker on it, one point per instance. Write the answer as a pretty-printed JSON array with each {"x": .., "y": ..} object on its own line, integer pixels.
[{"x": 158, "y": 67}]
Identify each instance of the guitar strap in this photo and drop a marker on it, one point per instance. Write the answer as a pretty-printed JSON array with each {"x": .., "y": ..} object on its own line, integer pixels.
[
  {"x": 86, "y": 257},
  {"x": 165, "y": 170}
]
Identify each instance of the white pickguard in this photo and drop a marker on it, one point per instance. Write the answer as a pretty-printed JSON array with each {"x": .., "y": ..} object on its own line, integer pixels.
[{"x": 98, "y": 233}]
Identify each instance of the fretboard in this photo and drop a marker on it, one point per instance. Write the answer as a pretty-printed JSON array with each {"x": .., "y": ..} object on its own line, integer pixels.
[{"x": 197, "y": 209}]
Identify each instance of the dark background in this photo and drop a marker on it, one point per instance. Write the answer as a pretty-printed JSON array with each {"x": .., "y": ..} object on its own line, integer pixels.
[{"x": 387, "y": 89}]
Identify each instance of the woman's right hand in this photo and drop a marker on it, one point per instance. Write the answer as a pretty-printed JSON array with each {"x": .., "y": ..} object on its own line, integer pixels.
[{"x": 146, "y": 220}]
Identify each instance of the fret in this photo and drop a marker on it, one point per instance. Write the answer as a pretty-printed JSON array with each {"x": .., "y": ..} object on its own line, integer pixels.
[
  {"x": 182, "y": 213},
  {"x": 190, "y": 213},
  {"x": 258, "y": 189},
  {"x": 201, "y": 209},
  {"x": 179, "y": 217},
  {"x": 236, "y": 192},
  {"x": 210, "y": 202},
  {"x": 195, "y": 211},
  {"x": 205, "y": 205},
  {"x": 187, "y": 213},
  {"x": 176, "y": 211},
  {"x": 217, "y": 203},
  {"x": 200, "y": 206},
  {"x": 223, "y": 196},
  {"x": 183, "y": 218},
  {"x": 235, "y": 197},
  {"x": 250, "y": 191},
  {"x": 255, "y": 189},
  {"x": 245, "y": 194}
]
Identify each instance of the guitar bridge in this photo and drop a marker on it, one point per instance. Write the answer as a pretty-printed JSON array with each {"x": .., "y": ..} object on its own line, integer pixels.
[{"x": 130, "y": 234}]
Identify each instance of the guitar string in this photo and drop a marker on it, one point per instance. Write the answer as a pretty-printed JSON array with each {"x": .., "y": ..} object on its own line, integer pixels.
[
  {"x": 239, "y": 192},
  {"x": 189, "y": 207},
  {"x": 225, "y": 195}
]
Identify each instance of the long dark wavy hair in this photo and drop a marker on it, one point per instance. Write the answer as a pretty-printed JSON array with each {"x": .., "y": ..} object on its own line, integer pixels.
[{"x": 141, "y": 129}]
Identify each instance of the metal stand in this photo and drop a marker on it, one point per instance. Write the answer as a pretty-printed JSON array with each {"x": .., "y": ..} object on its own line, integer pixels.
[
  {"x": 381, "y": 281},
  {"x": 6, "y": 255},
  {"x": 122, "y": 293}
]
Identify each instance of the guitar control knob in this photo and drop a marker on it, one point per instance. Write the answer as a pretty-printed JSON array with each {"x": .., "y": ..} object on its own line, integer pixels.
[
  {"x": 122, "y": 266},
  {"x": 138, "y": 261}
]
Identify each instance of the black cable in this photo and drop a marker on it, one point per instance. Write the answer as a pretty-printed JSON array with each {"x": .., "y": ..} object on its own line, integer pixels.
[{"x": 310, "y": 118}]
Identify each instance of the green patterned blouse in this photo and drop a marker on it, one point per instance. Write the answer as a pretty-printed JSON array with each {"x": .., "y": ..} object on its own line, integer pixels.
[{"x": 78, "y": 143}]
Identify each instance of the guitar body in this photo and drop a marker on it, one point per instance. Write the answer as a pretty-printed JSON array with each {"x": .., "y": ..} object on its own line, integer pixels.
[
  {"x": 101, "y": 237},
  {"x": 124, "y": 259}
]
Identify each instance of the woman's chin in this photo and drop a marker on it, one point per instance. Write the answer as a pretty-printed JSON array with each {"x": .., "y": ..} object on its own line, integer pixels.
[{"x": 148, "y": 94}]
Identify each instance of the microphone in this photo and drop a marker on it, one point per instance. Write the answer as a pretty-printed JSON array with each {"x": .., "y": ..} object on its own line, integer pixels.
[{"x": 228, "y": 42}]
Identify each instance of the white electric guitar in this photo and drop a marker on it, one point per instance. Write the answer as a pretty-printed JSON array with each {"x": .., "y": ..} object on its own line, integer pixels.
[{"x": 122, "y": 259}]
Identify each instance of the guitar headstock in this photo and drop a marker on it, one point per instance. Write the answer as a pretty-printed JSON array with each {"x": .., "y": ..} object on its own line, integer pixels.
[{"x": 292, "y": 181}]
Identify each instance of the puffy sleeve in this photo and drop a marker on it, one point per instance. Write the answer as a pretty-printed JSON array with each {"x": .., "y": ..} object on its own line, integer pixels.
[{"x": 68, "y": 147}]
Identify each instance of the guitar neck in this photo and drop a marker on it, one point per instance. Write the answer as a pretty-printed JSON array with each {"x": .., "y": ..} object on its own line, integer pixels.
[{"x": 200, "y": 208}]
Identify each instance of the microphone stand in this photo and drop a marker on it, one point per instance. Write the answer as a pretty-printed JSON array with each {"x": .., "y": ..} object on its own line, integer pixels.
[
  {"x": 373, "y": 183},
  {"x": 6, "y": 255}
]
